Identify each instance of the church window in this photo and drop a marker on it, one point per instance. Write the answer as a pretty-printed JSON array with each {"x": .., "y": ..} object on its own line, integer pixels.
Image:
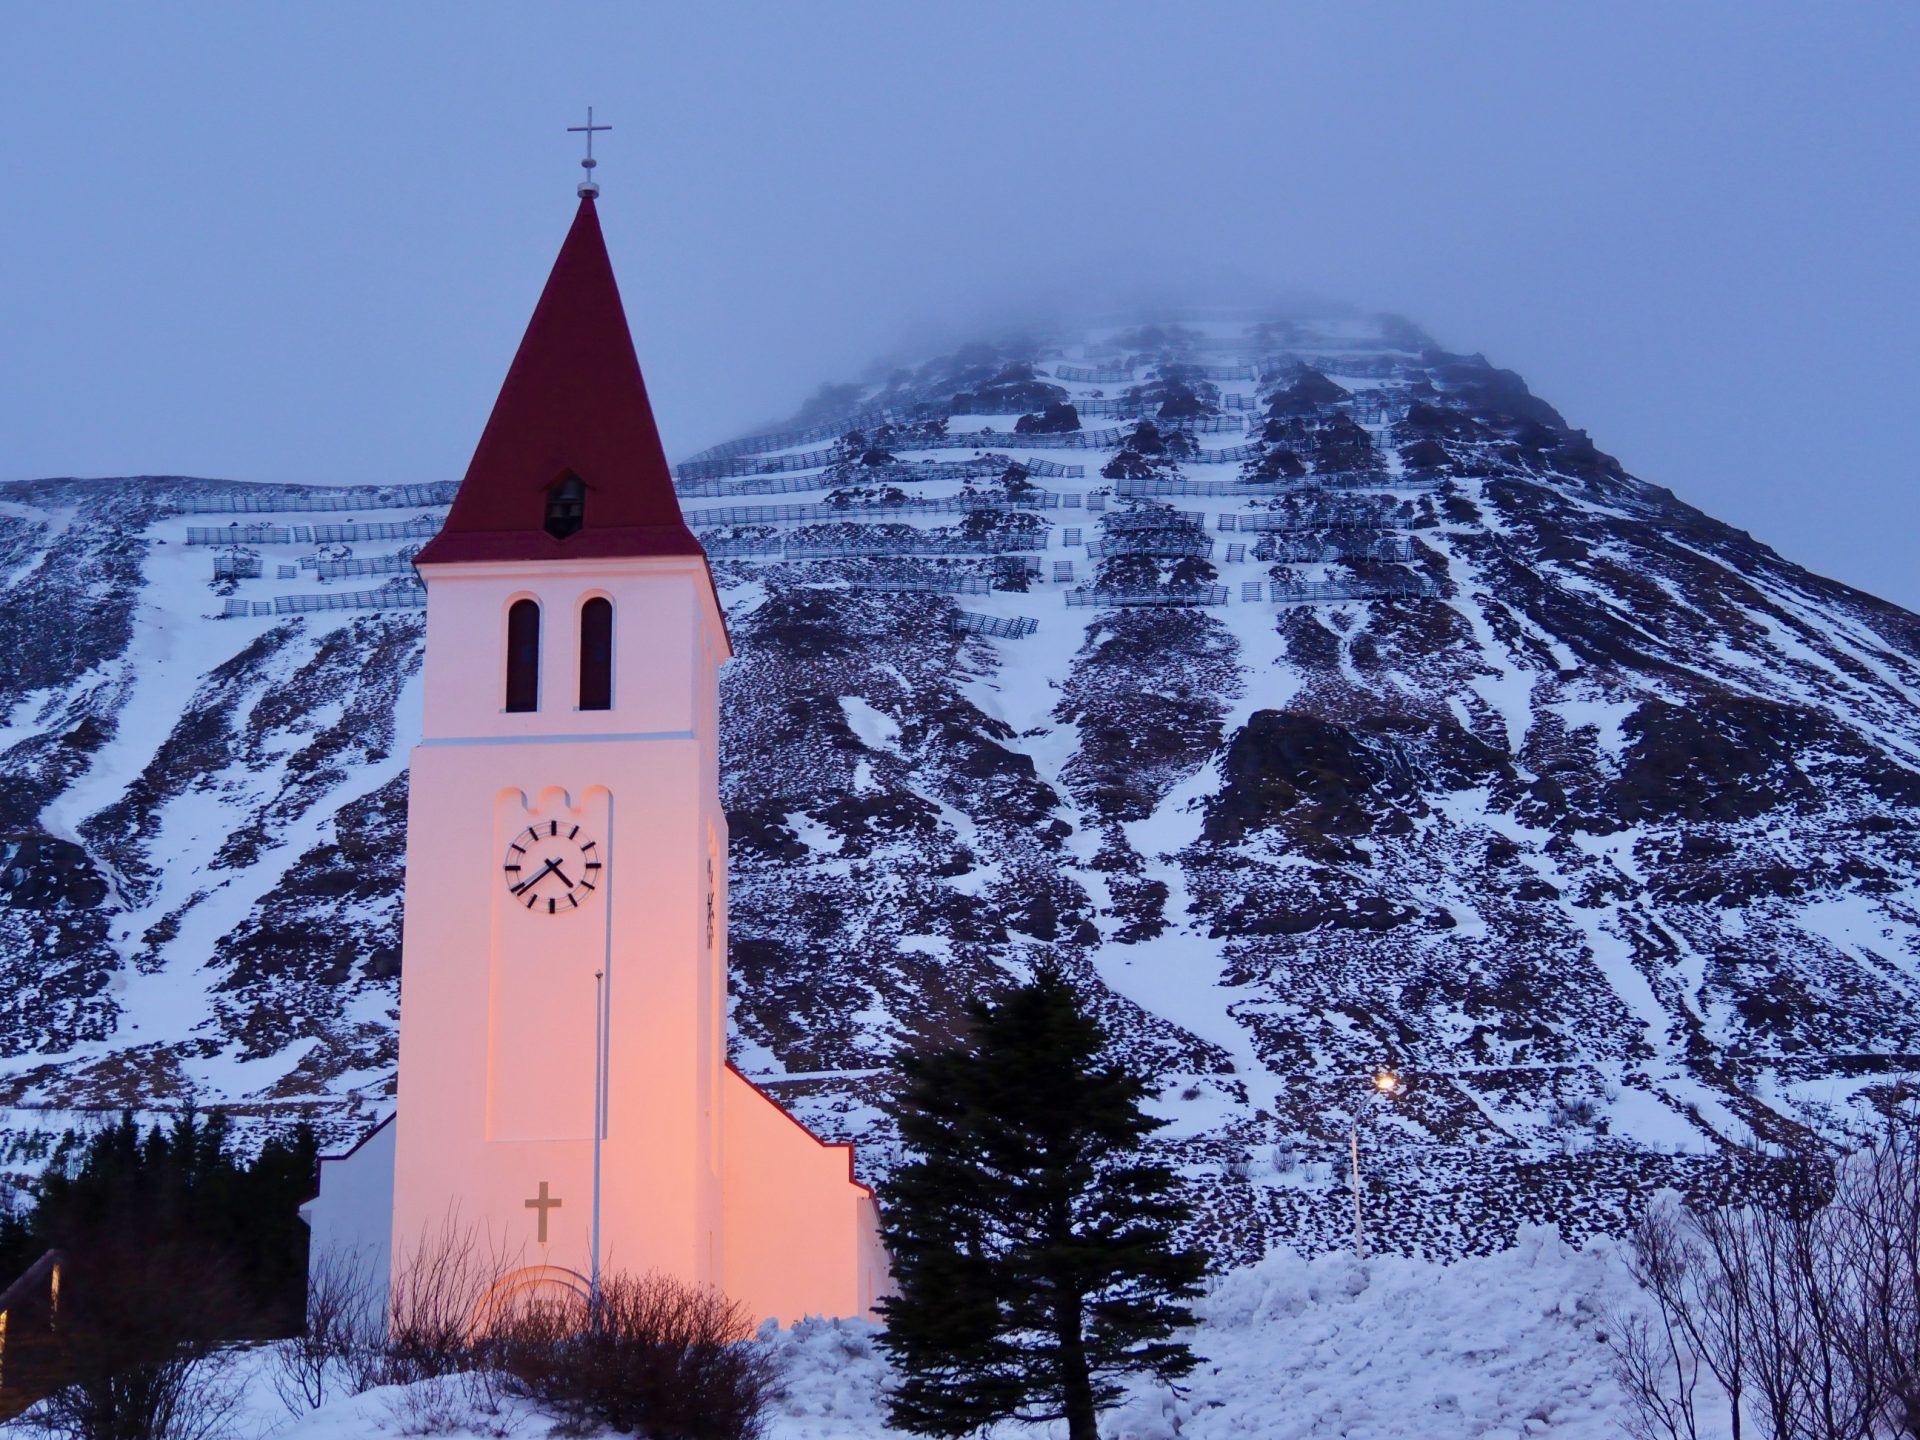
[
  {"x": 566, "y": 505},
  {"x": 523, "y": 656},
  {"x": 596, "y": 654}
]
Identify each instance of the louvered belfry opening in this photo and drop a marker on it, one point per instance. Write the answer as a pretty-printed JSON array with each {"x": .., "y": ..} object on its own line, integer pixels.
[
  {"x": 523, "y": 656},
  {"x": 566, "y": 506},
  {"x": 596, "y": 654}
]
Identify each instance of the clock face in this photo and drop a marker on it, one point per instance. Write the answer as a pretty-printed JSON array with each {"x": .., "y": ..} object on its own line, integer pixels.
[{"x": 553, "y": 867}]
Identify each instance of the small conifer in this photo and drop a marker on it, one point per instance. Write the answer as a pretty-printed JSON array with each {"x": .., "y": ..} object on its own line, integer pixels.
[{"x": 1034, "y": 1246}]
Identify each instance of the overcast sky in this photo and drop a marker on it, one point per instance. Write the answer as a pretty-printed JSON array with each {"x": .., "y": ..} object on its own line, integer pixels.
[{"x": 299, "y": 242}]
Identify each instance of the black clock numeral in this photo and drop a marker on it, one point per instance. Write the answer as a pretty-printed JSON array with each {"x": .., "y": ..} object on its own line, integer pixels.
[
  {"x": 511, "y": 869},
  {"x": 532, "y": 900},
  {"x": 549, "y": 906},
  {"x": 593, "y": 865},
  {"x": 571, "y": 834}
]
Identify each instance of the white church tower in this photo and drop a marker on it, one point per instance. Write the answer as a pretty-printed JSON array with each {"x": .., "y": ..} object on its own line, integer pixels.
[{"x": 564, "y": 1092}]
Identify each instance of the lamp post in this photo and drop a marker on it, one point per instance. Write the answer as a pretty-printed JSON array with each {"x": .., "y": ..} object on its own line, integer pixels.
[
  {"x": 1389, "y": 1084},
  {"x": 1359, "y": 1239}
]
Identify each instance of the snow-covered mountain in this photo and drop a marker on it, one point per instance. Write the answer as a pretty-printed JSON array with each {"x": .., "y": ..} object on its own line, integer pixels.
[{"x": 1317, "y": 696}]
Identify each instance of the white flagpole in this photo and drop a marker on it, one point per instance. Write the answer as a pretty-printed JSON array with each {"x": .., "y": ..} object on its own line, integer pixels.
[{"x": 599, "y": 1129}]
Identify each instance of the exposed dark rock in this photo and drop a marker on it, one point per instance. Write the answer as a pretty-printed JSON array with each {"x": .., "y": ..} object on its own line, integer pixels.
[
  {"x": 1426, "y": 421},
  {"x": 1012, "y": 389},
  {"x": 1305, "y": 394},
  {"x": 1056, "y": 419},
  {"x": 38, "y": 872},
  {"x": 1476, "y": 386},
  {"x": 1278, "y": 464},
  {"x": 1340, "y": 446},
  {"x": 1284, "y": 765}
]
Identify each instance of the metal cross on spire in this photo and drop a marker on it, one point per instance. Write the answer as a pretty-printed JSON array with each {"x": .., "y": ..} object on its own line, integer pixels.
[{"x": 587, "y": 186}]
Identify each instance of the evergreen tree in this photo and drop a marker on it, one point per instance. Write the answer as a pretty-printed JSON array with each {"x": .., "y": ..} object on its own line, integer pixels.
[
  {"x": 178, "y": 1189},
  {"x": 172, "y": 1248},
  {"x": 1033, "y": 1246},
  {"x": 17, "y": 1247}
]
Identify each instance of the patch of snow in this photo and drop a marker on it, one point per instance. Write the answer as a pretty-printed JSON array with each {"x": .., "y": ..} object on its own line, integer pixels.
[{"x": 1386, "y": 1348}]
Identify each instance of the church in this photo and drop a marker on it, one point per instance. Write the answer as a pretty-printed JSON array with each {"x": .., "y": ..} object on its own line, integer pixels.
[{"x": 564, "y": 1092}]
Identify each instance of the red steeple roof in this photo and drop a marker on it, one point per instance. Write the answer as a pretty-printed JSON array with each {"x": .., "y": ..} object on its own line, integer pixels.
[{"x": 573, "y": 404}]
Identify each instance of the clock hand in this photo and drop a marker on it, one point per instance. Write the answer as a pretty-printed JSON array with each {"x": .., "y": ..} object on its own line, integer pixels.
[
  {"x": 535, "y": 878},
  {"x": 562, "y": 874}
]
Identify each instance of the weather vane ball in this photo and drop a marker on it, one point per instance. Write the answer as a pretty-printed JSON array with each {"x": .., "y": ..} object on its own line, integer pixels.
[{"x": 587, "y": 186}]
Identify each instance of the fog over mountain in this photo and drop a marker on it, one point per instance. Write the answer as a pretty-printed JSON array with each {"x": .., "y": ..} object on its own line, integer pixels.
[{"x": 296, "y": 244}]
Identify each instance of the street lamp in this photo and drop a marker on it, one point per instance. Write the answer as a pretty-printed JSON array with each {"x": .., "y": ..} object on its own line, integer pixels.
[{"x": 1391, "y": 1085}]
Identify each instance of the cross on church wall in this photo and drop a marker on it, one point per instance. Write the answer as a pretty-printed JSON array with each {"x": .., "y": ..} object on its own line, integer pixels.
[{"x": 542, "y": 1202}]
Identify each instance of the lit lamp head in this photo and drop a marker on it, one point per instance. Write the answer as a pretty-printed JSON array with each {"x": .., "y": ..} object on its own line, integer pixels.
[{"x": 1386, "y": 1082}]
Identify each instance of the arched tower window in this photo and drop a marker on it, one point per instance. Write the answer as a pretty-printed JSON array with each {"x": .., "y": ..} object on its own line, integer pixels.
[
  {"x": 596, "y": 654},
  {"x": 523, "y": 655},
  {"x": 566, "y": 505}
]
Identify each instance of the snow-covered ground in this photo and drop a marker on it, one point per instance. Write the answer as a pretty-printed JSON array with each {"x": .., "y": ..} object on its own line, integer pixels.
[{"x": 1388, "y": 1348}]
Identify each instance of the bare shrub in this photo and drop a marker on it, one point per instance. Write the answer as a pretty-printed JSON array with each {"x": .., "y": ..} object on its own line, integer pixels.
[
  {"x": 1660, "y": 1379},
  {"x": 656, "y": 1357},
  {"x": 424, "y": 1339},
  {"x": 1795, "y": 1260},
  {"x": 1877, "y": 1229},
  {"x": 1658, "y": 1358},
  {"x": 192, "y": 1397},
  {"x": 659, "y": 1357},
  {"x": 432, "y": 1305},
  {"x": 139, "y": 1344},
  {"x": 462, "y": 1404},
  {"x": 1805, "y": 1309},
  {"x": 345, "y": 1326}
]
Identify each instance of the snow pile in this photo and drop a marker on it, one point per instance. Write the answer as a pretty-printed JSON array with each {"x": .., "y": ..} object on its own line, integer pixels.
[
  {"x": 834, "y": 1376},
  {"x": 455, "y": 1407},
  {"x": 1504, "y": 1344},
  {"x": 1389, "y": 1348}
]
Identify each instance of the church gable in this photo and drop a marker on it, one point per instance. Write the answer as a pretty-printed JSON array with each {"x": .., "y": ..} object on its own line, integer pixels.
[{"x": 570, "y": 464}]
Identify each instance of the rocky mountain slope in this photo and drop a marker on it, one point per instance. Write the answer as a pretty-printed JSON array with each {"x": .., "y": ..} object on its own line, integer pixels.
[{"x": 1373, "y": 720}]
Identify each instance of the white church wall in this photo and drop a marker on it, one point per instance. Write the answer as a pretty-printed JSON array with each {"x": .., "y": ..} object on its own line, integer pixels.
[
  {"x": 350, "y": 1220},
  {"x": 542, "y": 989},
  {"x": 801, "y": 1235},
  {"x": 657, "y": 638},
  {"x": 497, "y": 1048}
]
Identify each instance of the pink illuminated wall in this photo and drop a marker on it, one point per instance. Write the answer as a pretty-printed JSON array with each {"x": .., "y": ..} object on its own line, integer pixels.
[{"x": 701, "y": 1175}]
